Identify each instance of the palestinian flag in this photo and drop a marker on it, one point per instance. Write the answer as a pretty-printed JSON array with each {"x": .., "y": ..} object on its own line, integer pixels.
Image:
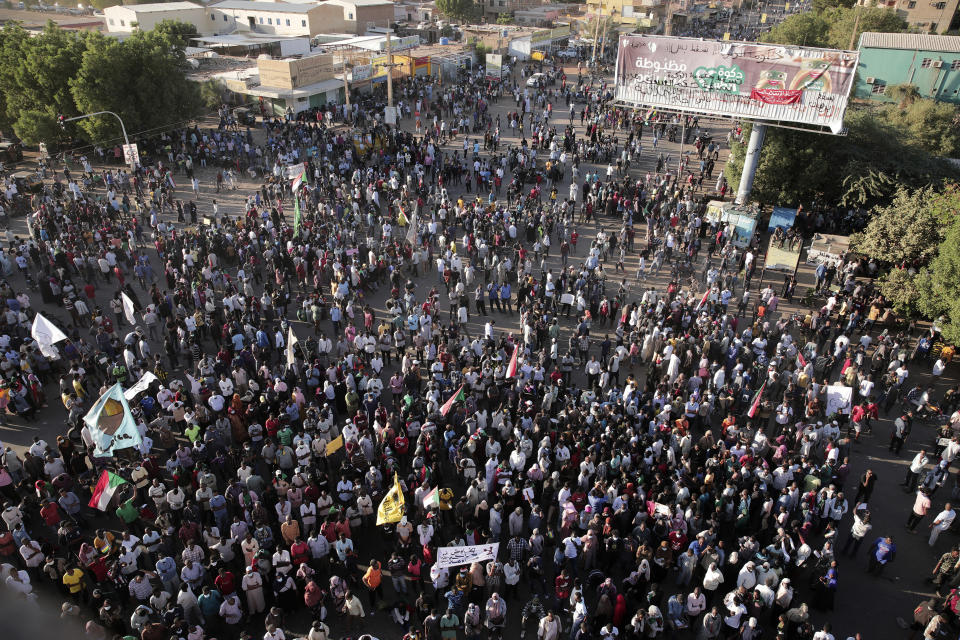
[
  {"x": 512, "y": 367},
  {"x": 431, "y": 499},
  {"x": 459, "y": 396},
  {"x": 755, "y": 404},
  {"x": 106, "y": 487}
]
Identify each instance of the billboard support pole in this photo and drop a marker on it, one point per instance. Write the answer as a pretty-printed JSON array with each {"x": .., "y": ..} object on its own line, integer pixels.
[{"x": 750, "y": 162}]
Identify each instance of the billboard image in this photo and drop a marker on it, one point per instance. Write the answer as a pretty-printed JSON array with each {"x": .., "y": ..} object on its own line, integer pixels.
[
  {"x": 756, "y": 81},
  {"x": 494, "y": 65}
]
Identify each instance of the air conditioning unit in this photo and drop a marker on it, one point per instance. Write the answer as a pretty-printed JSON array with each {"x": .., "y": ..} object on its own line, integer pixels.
[
  {"x": 871, "y": 80},
  {"x": 937, "y": 64}
]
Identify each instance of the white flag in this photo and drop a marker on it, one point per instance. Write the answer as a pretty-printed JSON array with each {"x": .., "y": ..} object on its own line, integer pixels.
[
  {"x": 291, "y": 344},
  {"x": 412, "y": 231},
  {"x": 128, "y": 309},
  {"x": 46, "y": 334}
]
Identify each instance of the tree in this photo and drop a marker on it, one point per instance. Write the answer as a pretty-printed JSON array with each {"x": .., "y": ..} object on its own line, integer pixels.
[
  {"x": 822, "y": 5},
  {"x": 459, "y": 10},
  {"x": 177, "y": 33},
  {"x": 833, "y": 27},
  {"x": 142, "y": 79},
  {"x": 904, "y": 94},
  {"x": 907, "y": 231},
  {"x": 863, "y": 168},
  {"x": 937, "y": 286},
  {"x": 843, "y": 35},
  {"x": 805, "y": 29},
  {"x": 928, "y": 125},
  {"x": 504, "y": 18}
]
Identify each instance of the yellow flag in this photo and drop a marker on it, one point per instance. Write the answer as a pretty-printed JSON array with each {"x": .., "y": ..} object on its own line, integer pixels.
[
  {"x": 334, "y": 445},
  {"x": 391, "y": 509},
  {"x": 726, "y": 36},
  {"x": 763, "y": 18},
  {"x": 786, "y": 7}
]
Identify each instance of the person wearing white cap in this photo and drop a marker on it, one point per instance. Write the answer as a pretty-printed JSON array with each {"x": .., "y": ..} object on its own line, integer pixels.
[{"x": 252, "y": 585}]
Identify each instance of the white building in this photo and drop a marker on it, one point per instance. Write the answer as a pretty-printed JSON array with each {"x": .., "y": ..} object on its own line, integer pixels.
[
  {"x": 276, "y": 18},
  {"x": 144, "y": 17}
]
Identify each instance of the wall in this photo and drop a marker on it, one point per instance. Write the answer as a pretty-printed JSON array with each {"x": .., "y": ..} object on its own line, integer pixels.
[
  {"x": 147, "y": 21},
  {"x": 895, "y": 66},
  {"x": 271, "y": 22},
  {"x": 291, "y": 74}
]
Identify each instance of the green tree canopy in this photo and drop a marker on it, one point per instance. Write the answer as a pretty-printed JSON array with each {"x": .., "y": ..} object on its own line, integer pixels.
[
  {"x": 457, "y": 9},
  {"x": 833, "y": 27},
  {"x": 882, "y": 151},
  {"x": 905, "y": 231},
  {"x": 72, "y": 73}
]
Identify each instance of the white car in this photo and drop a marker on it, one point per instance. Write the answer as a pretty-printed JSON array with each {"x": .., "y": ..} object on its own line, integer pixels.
[
  {"x": 536, "y": 80},
  {"x": 568, "y": 53}
]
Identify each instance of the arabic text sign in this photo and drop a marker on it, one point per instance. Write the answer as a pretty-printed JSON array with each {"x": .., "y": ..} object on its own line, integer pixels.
[
  {"x": 456, "y": 556},
  {"x": 737, "y": 79}
]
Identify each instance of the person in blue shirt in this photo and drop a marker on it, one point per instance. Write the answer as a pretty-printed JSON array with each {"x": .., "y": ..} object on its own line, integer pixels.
[
  {"x": 167, "y": 571},
  {"x": 505, "y": 297},
  {"x": 883, "y": 551}
]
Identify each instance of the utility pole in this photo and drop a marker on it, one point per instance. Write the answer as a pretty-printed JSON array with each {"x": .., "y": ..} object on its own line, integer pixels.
[
  {"x": 346, "y": 85},
  {"x": 668, "y": 25},
  {"x": 596, "y": 33},
  {"x": 126, "y": 140},
  {"x": 389, "y": 73},
  {"x": 853, "y": 36}
]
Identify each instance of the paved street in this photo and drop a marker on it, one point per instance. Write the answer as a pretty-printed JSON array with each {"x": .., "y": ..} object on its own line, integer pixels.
[{"x": 865, "y": 604}]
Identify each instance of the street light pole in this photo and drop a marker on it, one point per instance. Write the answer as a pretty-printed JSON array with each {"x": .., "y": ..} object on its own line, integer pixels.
[{"x": 126, "y": 140}]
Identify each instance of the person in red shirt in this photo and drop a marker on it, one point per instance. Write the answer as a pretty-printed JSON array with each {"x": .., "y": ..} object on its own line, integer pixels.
[
  {"x": 50, "y": 514},
  {"x": 299, "y": 552},
  {"x": 562, "y": 586},
  {"x": 225, "y": 582}
]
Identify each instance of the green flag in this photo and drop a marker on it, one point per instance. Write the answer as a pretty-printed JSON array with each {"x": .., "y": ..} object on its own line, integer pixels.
[{"x": 296, "y": 215}]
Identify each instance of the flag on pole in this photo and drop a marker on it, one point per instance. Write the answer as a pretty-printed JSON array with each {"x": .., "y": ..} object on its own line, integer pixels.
[
  {"x": 801, "y": 360},
  {"x": 459, "y": 396},
  {"x": 512, "y": 367},
  {"x": 296, "y": 214},
  {"x": 402, "y": 218},
  {"x": 755, "y": 404},
  {"x": 46, "y": 334},
  {"x": 431, "y": 499},
  {"x": 111, "y": 424},
  {"x": 129, "y": 311},
  {"x": 291, "y": 346},
  {"x": 106, "y": 487},
  {"x": 391, "y": 508}
]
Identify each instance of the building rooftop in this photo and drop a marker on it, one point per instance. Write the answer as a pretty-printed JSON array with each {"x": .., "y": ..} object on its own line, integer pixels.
[
  {"x": 359, "y": 3},
  {"x": 163, "y": 6},
  {"x": 273, "y": 7},
  {"x": 911, "y": 41}
]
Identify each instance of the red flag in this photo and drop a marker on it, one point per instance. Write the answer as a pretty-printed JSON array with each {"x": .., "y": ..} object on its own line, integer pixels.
[
  {"x": 459, "y": 395},
  {"x": 512, "y": 367},
  {"x": 801, "y": 360},
  {"x": 755, "y": 405}
]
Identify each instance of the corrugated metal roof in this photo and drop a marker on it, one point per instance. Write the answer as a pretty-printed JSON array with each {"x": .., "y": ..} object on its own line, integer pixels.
[
  {"x": 161, "y": 6},
  {"x": 911, "y": 41},
  {"x": 272, "y": 7}
]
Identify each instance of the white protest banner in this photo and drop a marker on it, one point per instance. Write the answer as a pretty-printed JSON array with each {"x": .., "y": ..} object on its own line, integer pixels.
[
  {"x": 839, "y": 399},
  {"x": 456, "y": 556},
  {"x": 128, "y": 308},
  {"x": 46, "y": 334},
  {"x": 142, "y": 384}
]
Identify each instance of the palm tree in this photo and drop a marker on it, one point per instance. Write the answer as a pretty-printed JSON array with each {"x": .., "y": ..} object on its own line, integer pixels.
[{"x": 905, "y": 94}]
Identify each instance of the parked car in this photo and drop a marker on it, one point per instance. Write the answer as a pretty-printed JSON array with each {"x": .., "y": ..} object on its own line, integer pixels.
[
  {"x": 568, "y": 53},
  {"x": 536, "y": 80}
]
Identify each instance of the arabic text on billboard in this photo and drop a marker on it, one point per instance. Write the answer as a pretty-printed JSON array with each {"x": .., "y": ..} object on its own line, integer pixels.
[{"x": 738, "y": 79}]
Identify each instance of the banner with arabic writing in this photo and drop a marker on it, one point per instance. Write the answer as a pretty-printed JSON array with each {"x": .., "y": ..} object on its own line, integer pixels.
[
  {"x": 738, "y": 79},
  {"x": 457, "y": 556}
]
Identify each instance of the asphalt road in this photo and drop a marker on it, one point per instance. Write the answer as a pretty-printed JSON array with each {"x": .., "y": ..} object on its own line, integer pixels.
[{"x": 864, "y": 603}]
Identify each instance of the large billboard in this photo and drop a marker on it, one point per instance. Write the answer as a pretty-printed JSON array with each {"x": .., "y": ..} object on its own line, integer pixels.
[{"x": 767, "y": 82}]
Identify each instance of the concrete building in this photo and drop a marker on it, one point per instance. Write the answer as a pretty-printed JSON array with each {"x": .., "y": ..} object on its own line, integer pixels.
[
  {"x": 275, "y": 18},
  {"x": 297, "y": 84},
  {"x": 357, "y": 16},
  {"x": 144, "y": 17},
  {"x": 538, "y": 16},
  {"x": 626, "y": 11},
  {"x": 931, "y": 63},
  {"x": 931, "y": 16}
]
